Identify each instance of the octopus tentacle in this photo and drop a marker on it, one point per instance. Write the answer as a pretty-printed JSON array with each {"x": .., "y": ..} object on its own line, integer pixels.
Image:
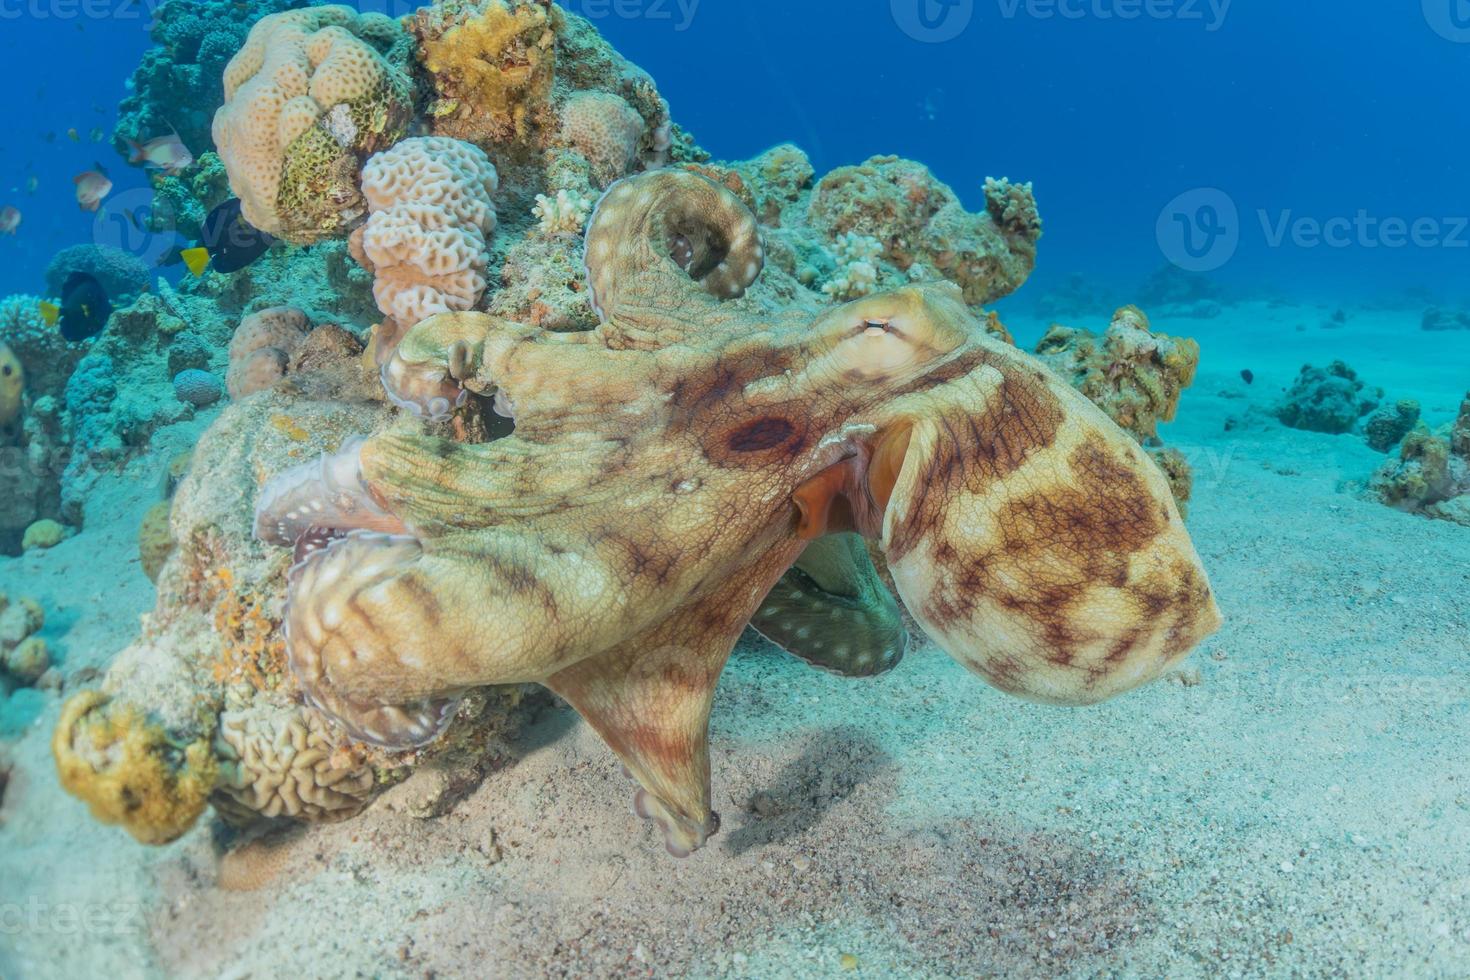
[
  {"x": 326, "y": 493},
  {"x": 433, "y": 362},
  {"x": 833, "y": 611},
  {"x": 650, "y": 700},
  {"x": 654, "y": 235},
  {"x": 342, "y": 647}
]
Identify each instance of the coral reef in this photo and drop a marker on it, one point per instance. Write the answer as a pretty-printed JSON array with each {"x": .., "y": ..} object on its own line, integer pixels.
[
  {"x": 285, "y": 763},
  {"x": 1330, "y": 400},
  {"x": 1431, "y": 475},
  {"x": 1132, "y": 373},
  {"x": 606, "y": 130},
  {"x": 681, "y": 396},
  {"x": 122, "y": 274},
  {"x": 23, "y": 654},
  {"x": 1386, "y": 427},
  {"x": 179, "y": 82},
  {"x": 155, "y": 539},
  {"x": 46, "y": 356},
  {"x": 309, "y": 96},
  {"x": 919, "y": 221},
  {"x": 430, "y": 217}
]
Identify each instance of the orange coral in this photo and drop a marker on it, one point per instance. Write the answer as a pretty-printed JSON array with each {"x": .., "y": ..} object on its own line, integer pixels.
[{"x": 251, "y": 649}]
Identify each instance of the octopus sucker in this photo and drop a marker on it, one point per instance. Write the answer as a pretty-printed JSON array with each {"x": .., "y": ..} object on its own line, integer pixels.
[{"x": 693, "y": 466}]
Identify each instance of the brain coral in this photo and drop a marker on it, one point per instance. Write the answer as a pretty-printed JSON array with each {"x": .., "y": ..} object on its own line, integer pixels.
[
  {"x": 431, "y": 220},
  {"x": 197, "y": 388},
  {"x": 606, "y": 130},
  {"x": 311, "y": 94},
  {"x": 262, "y": 347},
  {"x": 282, "y": 762}
]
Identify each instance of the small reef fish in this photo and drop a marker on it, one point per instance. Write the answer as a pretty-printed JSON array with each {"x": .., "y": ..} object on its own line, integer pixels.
[
  {"x": 166, "y": 153},
  {"x": 9, "y": 220},
  {"x": 228, "y": 243},
  {"x": 73, "y": 135},
  {"x": 84, "y": 308},
  {"x": 97, "y": 134},
  {"x": 32, "y": 182},
  {"x": 1248, "y": 376},
  {"x": 92, "y": 187}
]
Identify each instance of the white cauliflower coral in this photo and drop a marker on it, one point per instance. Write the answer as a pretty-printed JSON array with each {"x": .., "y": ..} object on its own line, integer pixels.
[
  {"x": 857, "y": 267},
  {"x": 564, "y": 214}
]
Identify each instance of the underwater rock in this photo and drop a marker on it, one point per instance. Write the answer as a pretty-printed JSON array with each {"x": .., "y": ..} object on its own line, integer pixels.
[
  {"x": 1440, "y": 319},
  {"x": 1387, "y": 426},
  {"x": 1329, "y": 400},
  {"x": 123, "y": 275}
]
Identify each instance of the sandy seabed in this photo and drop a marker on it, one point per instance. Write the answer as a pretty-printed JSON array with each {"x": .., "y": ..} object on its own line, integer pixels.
[{"x": 1295, "y": 802}]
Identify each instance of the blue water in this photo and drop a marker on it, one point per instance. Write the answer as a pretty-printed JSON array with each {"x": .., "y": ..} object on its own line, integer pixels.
[{"x": 1305, "y": 112}]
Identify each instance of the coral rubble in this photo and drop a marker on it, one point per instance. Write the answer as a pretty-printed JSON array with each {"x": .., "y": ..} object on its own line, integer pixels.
[{"x": 1431, "y": 474}]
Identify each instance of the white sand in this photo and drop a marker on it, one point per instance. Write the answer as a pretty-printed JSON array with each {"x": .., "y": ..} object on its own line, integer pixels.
[{"x": 1303, "y": 810}]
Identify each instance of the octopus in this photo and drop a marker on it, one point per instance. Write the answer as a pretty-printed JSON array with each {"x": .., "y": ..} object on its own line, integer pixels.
[{"x": 699, "y": 463}]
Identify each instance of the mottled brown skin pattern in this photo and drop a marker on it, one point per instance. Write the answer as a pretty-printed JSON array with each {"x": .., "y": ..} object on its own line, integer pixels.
[{"x": 616, "y": 544}]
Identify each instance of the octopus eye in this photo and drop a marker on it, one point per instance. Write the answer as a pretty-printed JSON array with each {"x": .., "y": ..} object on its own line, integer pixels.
[
  {"x": 875, "y": 328},
  {"x": 681, "y": 250}
]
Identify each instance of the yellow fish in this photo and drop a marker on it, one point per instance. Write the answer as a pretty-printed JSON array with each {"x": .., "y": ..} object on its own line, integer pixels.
[
  {"x": 12, "y": 386},
  {"x": 196, "y": 259},
  {"x": 50, "y": 313}
]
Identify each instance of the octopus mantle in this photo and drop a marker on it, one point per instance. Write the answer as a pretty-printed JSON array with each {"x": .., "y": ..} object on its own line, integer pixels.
[{"x": 670, "y": 467}]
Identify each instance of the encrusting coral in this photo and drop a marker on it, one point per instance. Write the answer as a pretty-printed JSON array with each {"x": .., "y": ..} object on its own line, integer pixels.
[
  {"x": 311, "y": 94},
  {"x": 668, "y": 468}
]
